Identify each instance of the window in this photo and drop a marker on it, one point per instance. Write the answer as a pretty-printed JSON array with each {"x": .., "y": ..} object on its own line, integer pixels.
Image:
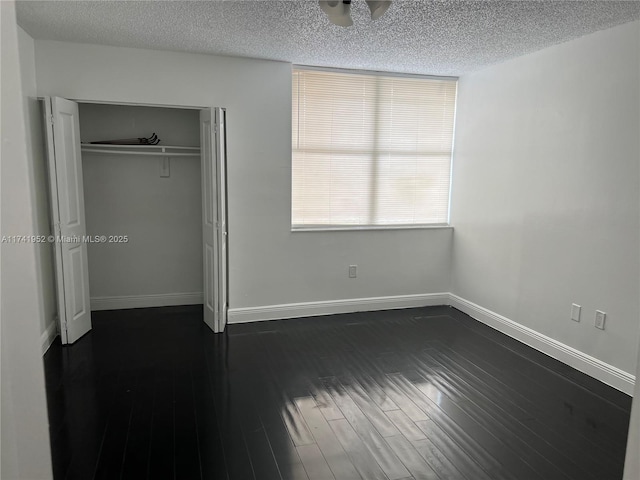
[{"x": 370, "y": 150}]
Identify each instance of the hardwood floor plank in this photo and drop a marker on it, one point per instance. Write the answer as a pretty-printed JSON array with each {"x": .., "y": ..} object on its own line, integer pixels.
[
  {"x": 136, "y": 452},
  {"x": 186, "y": 441},
  {"x": 212, "y": 451},
  {"x": 296, "y": 426},
  {"x": 375, "y": 415},
  {"x": 326, "y": 440},
  {"x": 359, "y": 454},
  {"x": 453, "y": 446},
  {"x": 374, "y": 391},
  {"x": 371, "y": 438},
  {"x": 405, "y": 425},
  {"x": 324, "y": 401},
  {"x": 415, "y": 463},
  {"x": 404, "y": 402},
  {"x": 161, "y": 460},
  {"x": 238, "y": 459},
  {"x": 437, "y": 460},
  {"x": 314, "y": 463}
]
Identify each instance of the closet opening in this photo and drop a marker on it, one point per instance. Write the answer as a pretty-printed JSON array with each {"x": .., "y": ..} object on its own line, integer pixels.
[{"x": 138, "y": 206}]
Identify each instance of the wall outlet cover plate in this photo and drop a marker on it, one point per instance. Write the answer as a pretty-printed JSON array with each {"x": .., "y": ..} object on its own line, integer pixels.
[{"x": 575, "y": 312}]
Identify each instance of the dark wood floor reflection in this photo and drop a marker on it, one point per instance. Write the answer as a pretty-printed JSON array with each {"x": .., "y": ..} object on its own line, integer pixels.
[{"x": 424, "y": 393}]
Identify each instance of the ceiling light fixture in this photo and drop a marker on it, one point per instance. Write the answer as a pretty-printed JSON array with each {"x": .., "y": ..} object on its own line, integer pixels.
[
  {"x": 339, "y": 11},
  {"x": 378, "y": 8}
]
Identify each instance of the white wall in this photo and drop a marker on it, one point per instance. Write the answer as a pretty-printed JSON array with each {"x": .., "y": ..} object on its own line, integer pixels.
[
  {"x": 38, "y": 160},
  {"x": 269, "y": 265},
  {"x": 632, "y": 460},
  {"x": 24, "y": 434},
  {"x": 545, "y": 197},
  {"x": 125, "y": 195}
]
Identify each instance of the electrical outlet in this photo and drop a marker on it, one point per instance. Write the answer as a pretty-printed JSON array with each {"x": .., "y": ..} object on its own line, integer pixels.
[
  {"x": 353, "y": 271},
  {"x": 600, "y": 318},
  {"x": 575, "y": 312}
]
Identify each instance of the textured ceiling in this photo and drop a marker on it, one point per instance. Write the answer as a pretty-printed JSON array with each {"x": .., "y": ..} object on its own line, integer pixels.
[{"x": 429, "y": 37}]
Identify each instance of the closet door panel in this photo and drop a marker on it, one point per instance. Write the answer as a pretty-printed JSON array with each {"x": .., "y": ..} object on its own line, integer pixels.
[
  {"x": 65, "y": 165},
  {"x": 221, "y": 198},
  {"x": 209, "y": 212}
]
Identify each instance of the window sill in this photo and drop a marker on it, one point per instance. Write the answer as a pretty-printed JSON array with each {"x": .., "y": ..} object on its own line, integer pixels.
[{"x": 348, "y": 228}]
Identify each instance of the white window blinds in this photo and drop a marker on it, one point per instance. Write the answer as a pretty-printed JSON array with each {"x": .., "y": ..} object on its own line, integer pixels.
[{"x": 370, "y": 150}]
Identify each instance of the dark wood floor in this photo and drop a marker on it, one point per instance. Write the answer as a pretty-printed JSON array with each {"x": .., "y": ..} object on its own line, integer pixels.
[{"x": 423, "y": 393}]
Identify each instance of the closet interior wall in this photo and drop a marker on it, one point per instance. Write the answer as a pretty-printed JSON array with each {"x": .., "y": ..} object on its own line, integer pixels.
[{"x": 125, "y": 195}]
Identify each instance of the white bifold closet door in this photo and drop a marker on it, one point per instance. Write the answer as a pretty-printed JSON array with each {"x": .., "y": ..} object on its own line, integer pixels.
[
  {"x": 214, "y": 216},
  {"x": 67, "y": 211},
  {"x": 68, "y": 217}
]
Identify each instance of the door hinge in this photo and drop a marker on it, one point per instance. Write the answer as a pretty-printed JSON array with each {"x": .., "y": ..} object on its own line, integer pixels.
[
  {"x": 52, "y": 120},
  {"x": 215, "y": 128}
]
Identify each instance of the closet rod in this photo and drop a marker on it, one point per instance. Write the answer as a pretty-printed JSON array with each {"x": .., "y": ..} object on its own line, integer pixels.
[
  {"x": 133, "y": 152},
  {"x": 152, "y": 147}
]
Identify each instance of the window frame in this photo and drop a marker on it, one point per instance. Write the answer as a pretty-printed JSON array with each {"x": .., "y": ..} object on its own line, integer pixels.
[{"x": 335, "y": 227}]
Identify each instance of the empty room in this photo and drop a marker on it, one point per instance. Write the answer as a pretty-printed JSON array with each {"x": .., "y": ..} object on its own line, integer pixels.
[{"x": 300, "y": 240}]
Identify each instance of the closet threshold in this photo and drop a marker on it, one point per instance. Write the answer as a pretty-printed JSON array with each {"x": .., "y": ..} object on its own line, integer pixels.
[{"x": 156, "y": 150}]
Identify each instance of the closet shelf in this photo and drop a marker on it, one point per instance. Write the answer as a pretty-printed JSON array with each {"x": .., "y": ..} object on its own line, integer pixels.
[{"x": 156, "y": 150}]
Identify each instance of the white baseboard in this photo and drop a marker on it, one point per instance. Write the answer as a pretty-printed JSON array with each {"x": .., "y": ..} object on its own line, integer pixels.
[
  {"x": 312, "y": 309},
  {"x": 593, "y": 367},
  {"x": 48, "y": 336},
  {"x": 145, "y": 301}
]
